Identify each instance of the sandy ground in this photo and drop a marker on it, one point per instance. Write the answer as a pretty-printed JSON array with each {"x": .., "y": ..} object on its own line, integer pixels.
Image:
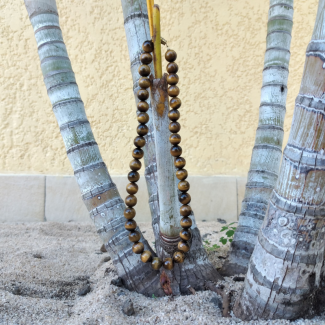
[{"x": 43, "y": 265}]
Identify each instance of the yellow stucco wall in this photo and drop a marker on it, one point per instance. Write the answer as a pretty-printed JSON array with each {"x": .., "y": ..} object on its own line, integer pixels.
[{"x": 220, "y": 46}]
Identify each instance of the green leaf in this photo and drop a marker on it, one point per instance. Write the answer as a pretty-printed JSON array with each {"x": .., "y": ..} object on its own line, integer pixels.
[
  {"x": 230, "y": 233},
  {"x": 230, "y": 240},
  {"x": 224, "y": 228},
  {"x": 223, "y": 240},
  {"x": 232, "y": 223}
]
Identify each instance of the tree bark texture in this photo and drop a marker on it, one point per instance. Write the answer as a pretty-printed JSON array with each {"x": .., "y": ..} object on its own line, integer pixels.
[
  {"x": 285, "y": 270},
  {"x": 196, "y": 269},
  {"x": 98, "y": 191},
  {"x": 267, "y": 151}
]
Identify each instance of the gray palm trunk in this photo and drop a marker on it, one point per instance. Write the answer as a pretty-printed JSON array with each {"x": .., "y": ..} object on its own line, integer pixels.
[
  {"x": 98, "y": 192},
  {"x": 286, "y": 269},
  {"x": 267, "y": 151}
]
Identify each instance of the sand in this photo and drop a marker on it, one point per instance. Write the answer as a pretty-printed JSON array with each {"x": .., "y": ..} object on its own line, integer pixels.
[{"x": 43, "y": 265}]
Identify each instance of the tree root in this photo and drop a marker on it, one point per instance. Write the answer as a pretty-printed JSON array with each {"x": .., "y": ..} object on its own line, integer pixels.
[{"x": 226, "y": 297}]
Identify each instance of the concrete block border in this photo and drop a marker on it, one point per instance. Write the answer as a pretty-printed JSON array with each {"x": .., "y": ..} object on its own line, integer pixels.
[{"x": 35, "y": 198}]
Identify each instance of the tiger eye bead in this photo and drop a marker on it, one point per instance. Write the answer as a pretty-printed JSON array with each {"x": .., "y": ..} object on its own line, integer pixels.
[
  {"x": 172, "y": 67},
  {"x": 174, "y": 115},
  {"x": 168, "y": 263},
  {"x": 171, "y": 56},
  {"x": 156, "y": 263},
  {"x": 146, "y": 257},
  {"x": 185, "y": 234},
  {"x": 175, "y": 103},
  {"x": 176, "y": 151},
  {"x": 139, "y": 142},
  {"x": 175, "y": 139},
  {"x": 173, "y": 91},
  {"x": 129, "y": 213},
  {"x": 130, "y": 225},
  {"x": 183, "y": 246},
  {"x": 135, "y": 164},
  {"x": 143, "y": 94},
  {"x": 184, "y": 186},
  {"x": 186, "y": 222},
  {"x": 143, "y": 106},
  {"x": 132, "y": 188},
  {"x": 147, "y": 46},
  {"x": 144, "y": 70},
  {"x": 179, "y": 257},
  {"x": 138, "y": 248},
  {"x": 133, "y": 176},
  {"x": 142, "y": 129},
  {"x": 144, "y": 82},
  {"x": 143, "y": 118},
  {"x": 180, "y": 162},
  {"x": 146, "y": 58},
  {"x": 184, "y": 198},
  {"x": 181, "y": 174},
  {"x": 134, "y": 236},
  {"x": 185, "y": 210},
  {"x": 172, "y": 79},
  {"x": 137, "y": 153},
  {"x": 174, "y": 127},
  {"x": 131, "y": 201}
]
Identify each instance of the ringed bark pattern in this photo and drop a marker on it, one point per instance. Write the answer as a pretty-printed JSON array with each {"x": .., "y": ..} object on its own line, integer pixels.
[
  {"x": 286, "y": 268},
  {"x": 267, "y": 151}
]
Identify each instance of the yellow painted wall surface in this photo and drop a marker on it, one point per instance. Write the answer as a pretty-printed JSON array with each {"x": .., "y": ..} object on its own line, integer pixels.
[{"x": 220, "y": 46}]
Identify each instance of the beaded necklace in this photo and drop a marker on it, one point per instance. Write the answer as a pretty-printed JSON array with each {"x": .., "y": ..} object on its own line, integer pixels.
[{"x": 176, "y": 151}]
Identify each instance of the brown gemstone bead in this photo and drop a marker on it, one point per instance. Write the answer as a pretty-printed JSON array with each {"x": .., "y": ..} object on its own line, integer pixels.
[
  {"x": 143, "y": 94},
  {"x": 186, "y": 222},
  {"x": 138, "y": 248},
  {"x": 146, "y": 257},
  {"x": 184, "y": 198},
  {"x": 179, "y": 257},
  {"x": 176, "y": 151},
  {"x": 142, "y": 129},
  {"x": 175, "y": 139},
  {"x": 172, "y": 79},
  {"x": 185, "y": 234},
  {"x": 183, "y": 246},
  {"x": 143, "y": 118},
  {"x": 146, "y": 58},
  {"x": 144, "y": 70},
  {"x": 143, "y": 106},
  {"x": 137, "y": 153},
  {"x": 156, "y": 263},
  {"x": 130, "y": 225},
  {"x": 184, "y": 186},
  {"x": 129, "y": 213},
  {"x": 174, "y": 114},
  {"x": 139, "y": 142},
  {"x": 144, "y": 82},
  {"x": 147, "y": 46},
  {"x": 174, "y": 127},
  {"x": 175, "y": 103},
  {"x": 134, "y": 236},
  {"x": 135, "y": 164},
  {"x": 185, "y": 210},
  {"x": 168, "y": 263},
  {"x": 180, "y": 162},
  {"x": 133, "y": 176},
  {"x": 171, "y": 56},
  {"x": 132, "y": 188},
  {"x": 131, "y": 201},
  {"x": 173, "y": 91},
  {"x": 181, "y": 174},
  {"x": 172, "y": 67}
]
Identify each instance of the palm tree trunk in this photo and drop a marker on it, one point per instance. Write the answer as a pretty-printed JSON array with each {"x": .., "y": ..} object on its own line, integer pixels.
[
  {"x": 284, "y": 272},
  {"x": 98, "y": 192},
  {"x": 196, "y": 269},
  {"x": 267, "y": 151}
]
